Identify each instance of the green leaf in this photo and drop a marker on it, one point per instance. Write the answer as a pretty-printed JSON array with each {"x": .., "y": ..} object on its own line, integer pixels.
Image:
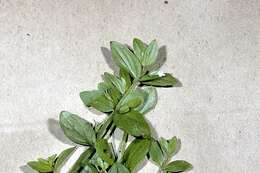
[
  {"x": 170, "y": 146},
  {"x": 77, "y": 129},
  {"x": 103, "y": 127},
  {"x": 177, "y": 166},
  {"x": 156, "y": 153},
  {"x": 125, "y": 59},
  {"x": 139, "y": 48},
  {"x": 149, "y": 101},
  {"x": 165, "y": 81},
  {"x": 62, "y": 157},
  {"x": 104, "y": 150},
  {"x": 115, "y": 81},
  {"x": 133, "y": 99},
  {"x": 118, "y": 168},
  {"x": 135, "y": 153},
  {"x": 89, "y": 168},
  {"x": 98, "y": 100},
  {"x": 132, "y": 123},
  {"x": 98, "y": 162},
  {"x": 40, "y": 166},
  {"x": 110, "y": 92},
  {"x": 124, "y": 75},
  {"x": 124, "y": 109},
  {"x": 133, "y": 103},
  {"x": 83, "y": 159},
  {"x": 150, "y": 54},
  {"x": 149, "y": 77}
]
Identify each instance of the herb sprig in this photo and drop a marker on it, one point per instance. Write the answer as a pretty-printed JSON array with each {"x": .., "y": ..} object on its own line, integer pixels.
[{"x": 125, "y": 98}]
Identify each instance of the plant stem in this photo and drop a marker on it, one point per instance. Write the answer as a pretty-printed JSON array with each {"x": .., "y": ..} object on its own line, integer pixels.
[
  {"x": 122, "y": 146},
  {"x": 123, "y": 142}
]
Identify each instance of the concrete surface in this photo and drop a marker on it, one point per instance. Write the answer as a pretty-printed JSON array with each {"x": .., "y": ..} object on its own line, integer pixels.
[{"x": 50, "y": 50}]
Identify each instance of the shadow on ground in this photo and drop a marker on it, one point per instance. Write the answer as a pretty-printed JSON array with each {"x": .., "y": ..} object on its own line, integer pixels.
[{"x": 26, "y": 169}]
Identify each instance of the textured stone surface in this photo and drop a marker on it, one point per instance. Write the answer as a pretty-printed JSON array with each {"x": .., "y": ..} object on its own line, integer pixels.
[{"x": 50, "y": 50}]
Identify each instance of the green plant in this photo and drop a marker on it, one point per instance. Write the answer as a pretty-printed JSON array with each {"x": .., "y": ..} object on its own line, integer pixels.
[{"x": 125, "y": 98}]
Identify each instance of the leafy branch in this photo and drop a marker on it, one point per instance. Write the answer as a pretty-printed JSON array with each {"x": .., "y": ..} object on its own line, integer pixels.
[{"x": 125, "y": 98}]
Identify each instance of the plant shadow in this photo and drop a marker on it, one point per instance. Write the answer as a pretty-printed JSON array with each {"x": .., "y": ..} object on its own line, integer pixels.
[
  {"x": 26, "y": 169},
  {"x": 55, "y": 129},
  {"x": 108, "y": 58}
]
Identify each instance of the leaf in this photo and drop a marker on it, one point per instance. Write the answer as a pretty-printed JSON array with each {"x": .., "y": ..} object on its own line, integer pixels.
[
  {"x": 149, "y": 101},
  {"x": 177, "y": 166},
  {"x": 133, "y": 99},
  {"x": 169, "y": 146},
  {"x": 104, "y": 150},
  {"x": 118, "y": 168},
  {"x": 165, "y": 81},
  {"x": 115, "y": 81},
  {"x": 62, "y": 157},
  {"x": 110, "y": 92},
  {"x": 77, "y": 129},
  {"x": 89, "y": 168},
  {"x": 104, "y": 127},
  {"x": 135, "y": 153},
  {"x": 133, "y": 103},
  {"x": 82, "y": 160},
  {"x": 52, "y": 159},
  {"x": 40, "y": 166},
  {"x": 150, "y": 54},
  {"x": 124, "y": 109},
  {"x": 132, "y": 123},
  {"x": 149, "y": 77},
  {"x": 98, "y": 100},
  {"x": 125, "y": 59},
  {"x": 156, "y": 153},
  {"x": 98, "y": 162},
  {"x": 139, "y": 48},
  {"x": 126, "y": 77}
]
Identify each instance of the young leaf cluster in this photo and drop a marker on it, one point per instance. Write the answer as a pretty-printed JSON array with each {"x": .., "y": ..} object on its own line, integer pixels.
[{"x": 125, "y": 99}]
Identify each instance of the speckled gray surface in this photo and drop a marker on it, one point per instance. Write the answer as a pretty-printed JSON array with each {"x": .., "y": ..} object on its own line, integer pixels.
[{"x": 50, "y": 50}]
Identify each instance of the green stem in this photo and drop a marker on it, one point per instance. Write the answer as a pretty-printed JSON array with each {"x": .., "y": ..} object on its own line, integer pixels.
[
  {"x": 124, "y": 140},
  {"x": 112, "y": 127},
  {"x": 122, "y": 146}
]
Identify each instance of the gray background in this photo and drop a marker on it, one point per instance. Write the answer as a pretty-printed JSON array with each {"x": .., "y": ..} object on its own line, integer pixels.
[{"x": 50, "y": 50}]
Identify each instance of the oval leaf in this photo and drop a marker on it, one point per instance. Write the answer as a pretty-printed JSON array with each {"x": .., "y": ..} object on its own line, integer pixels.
[
  {"x": 165, "y": 81},
  {"x": 124, "y": 75},
  {"x": 77, "y": 129},
  {"x": 98, "y": 100},
  {"x": 125, "y": 59},
  {"x": 170, "y": 146},
  {"x": 104, "y": 151},
  {"x": 40, "y": 166},
  {"x": 156, "y": 153},
  {"x": 139, "y": 48},
  {"x": 82, "y": 160},
  {"x": 62, "y": 157},
  {"x": 115, "y": 81},
  {"x": 136, "y": 96},
  {"x": 177, "y": 166},
  {"x": 132, "y": 123},
  {"x": 149, "y": 101},
  {"x": 135, "y": 153},
  {"x": 150, "y": 54}
]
